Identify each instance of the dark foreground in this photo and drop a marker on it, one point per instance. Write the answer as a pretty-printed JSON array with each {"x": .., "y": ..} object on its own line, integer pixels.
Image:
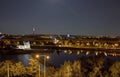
[{"x": 89, "y": 66}]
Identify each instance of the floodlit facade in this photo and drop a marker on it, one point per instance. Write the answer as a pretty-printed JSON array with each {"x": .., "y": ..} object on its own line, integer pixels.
[{"x": 26, "y": 45}]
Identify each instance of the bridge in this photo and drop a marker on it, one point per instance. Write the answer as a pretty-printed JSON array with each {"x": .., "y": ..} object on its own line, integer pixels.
[
  {"x": 68, "y": 49},
  {"x": 47, "y": 44}
]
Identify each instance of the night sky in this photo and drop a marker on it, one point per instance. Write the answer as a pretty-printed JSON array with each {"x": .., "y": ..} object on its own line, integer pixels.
[{"x": 79, "y": 17}]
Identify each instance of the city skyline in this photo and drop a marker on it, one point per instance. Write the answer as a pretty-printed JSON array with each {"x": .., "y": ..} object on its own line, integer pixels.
[{"x": 79, "y": 17}]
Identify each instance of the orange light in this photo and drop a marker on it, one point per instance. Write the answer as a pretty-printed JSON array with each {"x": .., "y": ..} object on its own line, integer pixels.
[
  {"x": 37, "y": 56},
  {"x": 47, "y": 57}
]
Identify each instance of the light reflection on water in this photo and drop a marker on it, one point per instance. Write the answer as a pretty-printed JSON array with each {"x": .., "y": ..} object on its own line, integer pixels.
[
  {"x": 24, "y": 58},
  {"x": 56, "y": 59}
]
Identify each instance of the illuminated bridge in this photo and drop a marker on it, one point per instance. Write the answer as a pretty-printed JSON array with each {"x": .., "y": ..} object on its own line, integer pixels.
[
  {"x": 50, "y": 43},
  {"x": 67, "y": 49}
]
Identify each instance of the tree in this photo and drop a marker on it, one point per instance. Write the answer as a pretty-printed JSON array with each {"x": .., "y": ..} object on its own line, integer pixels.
[
  {"x": 18, "y": 69},
  {"x": 115, "y": 70},
  {"x": 5, "y": 68},
  {"x": 51, "y": 71},
  {"x": 77, "y": 69},
  {"x": 66, "y": 70},
  {"x": 33, "y": 67},
  {"x": 96, "y": 69}
]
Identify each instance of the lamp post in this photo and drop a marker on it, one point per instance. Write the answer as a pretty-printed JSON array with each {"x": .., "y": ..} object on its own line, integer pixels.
[
  {"x": 39, "y": 71},
  {"x": 8, "y": 75},
  {"x": 45, "y": 57},
  {"x": 44, "y": 67}
]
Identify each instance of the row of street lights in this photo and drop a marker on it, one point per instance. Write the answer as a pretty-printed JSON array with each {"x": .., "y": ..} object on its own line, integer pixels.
[{"x": 46, "y": 57}]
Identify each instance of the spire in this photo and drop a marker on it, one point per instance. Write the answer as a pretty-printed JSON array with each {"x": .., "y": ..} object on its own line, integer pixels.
[{"x": 33, "y": 30}]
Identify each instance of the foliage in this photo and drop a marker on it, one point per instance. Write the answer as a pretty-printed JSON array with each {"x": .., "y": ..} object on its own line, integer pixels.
[
  {"x": 18, "y": 69},
  {"x": 51, "y": 71},
  {"x": 115, "y": 70},
  {"x": 33, "y": 67},
  {"x": 85, "y": 67}
]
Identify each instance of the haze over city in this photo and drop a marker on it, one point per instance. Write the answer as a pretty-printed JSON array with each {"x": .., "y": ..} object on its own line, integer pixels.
[{"x": 79, "y": 17}]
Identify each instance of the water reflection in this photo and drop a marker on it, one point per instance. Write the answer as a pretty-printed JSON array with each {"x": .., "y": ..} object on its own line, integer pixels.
[
  {"x": 57, "y": 58},
  {"x": 24, "y": 58}
]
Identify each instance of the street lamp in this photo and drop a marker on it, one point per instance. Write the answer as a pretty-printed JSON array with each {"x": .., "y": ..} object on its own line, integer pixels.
[
  {"x": 45, "y": 57},
  {"x": 8, "y": 72}
]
